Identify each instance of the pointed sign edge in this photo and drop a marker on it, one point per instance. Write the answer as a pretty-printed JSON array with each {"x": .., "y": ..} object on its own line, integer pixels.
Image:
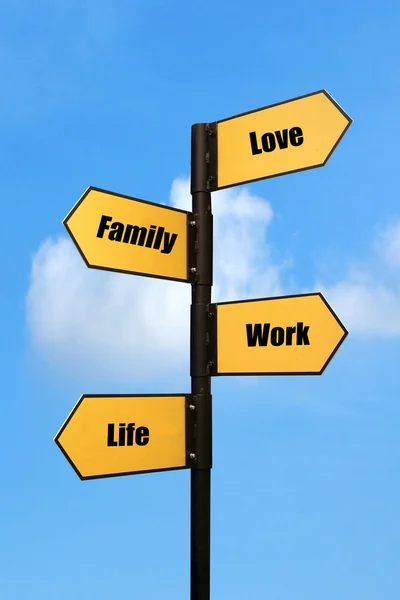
[
  {"x": 214, "y": 308},
  {"x": 91, "y": 188},
  {"x": 108, "y": 475}
]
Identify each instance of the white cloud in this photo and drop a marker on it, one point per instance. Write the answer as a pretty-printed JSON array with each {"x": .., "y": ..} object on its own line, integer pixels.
[
  {"x": 132, "y": 327},
  {"x": 242, "y": 262},
  {"x": 365, "y": 308},
  {"x": 388, "y": 245},
  {"x": 368, "y": 299}
]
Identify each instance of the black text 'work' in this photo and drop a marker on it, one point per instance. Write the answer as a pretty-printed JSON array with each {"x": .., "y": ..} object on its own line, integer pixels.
[{"x": 262, "y": 334}]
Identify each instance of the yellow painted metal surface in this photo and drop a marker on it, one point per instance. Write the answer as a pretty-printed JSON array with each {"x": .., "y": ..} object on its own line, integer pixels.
[
  {"x": 288, "y": 335},
  {"x": 125, "y": 234},
  {"x": 284, "y": 138},
  {"x": 117, "y": 435}
]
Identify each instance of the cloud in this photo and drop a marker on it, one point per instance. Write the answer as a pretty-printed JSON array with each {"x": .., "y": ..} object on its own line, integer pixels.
[
  {"x": 365, "y": 308},
  {"x": 387, "y": 245},
  {"x": 243, "y": 267},
  {"x": 368, "y": 299},
  {"x": 132, "y": 327}
]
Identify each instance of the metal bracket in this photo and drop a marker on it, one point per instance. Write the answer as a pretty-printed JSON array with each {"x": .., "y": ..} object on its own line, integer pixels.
[
  {"x": 199, "y": 431},
  {"x": 212, "y": 158},
  {"x": 203, "y": 319},
  {"x": 191, "y": 248},
  {"x": 212, "y": 339},
  {"x": 190, "y": 430}
]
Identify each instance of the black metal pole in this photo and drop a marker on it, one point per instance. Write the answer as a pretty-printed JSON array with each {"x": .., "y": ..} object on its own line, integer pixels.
[{"x": 199, "y": 369}]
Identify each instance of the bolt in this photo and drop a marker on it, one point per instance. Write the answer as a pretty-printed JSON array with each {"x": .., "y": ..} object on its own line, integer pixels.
[
  {"x": 192, "y": 407},
  {"x": 193, "y": 269},
  {"x": 192, "y": 223},
  {"x": 192, "y": 456}
]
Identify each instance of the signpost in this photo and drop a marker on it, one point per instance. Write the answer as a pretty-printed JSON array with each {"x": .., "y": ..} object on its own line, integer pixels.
[
  {"x": 106, "y": 436},
  {"x": 119, "y": 233},
  {"x": 291, "y": 136},
  {"x": 290, "y": 335}
]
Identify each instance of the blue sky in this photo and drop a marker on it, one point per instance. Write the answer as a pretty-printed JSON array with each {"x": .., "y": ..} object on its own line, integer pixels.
[{"x": 305, "y": 484}]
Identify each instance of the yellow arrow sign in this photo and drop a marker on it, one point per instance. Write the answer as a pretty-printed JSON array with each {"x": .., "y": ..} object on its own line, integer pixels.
[
  {"x": 120, "y": 233},
  {"x": 284, "y": 138},
  {"x": 106, "y": 436},
  {"x": 291, "y": 335}
]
